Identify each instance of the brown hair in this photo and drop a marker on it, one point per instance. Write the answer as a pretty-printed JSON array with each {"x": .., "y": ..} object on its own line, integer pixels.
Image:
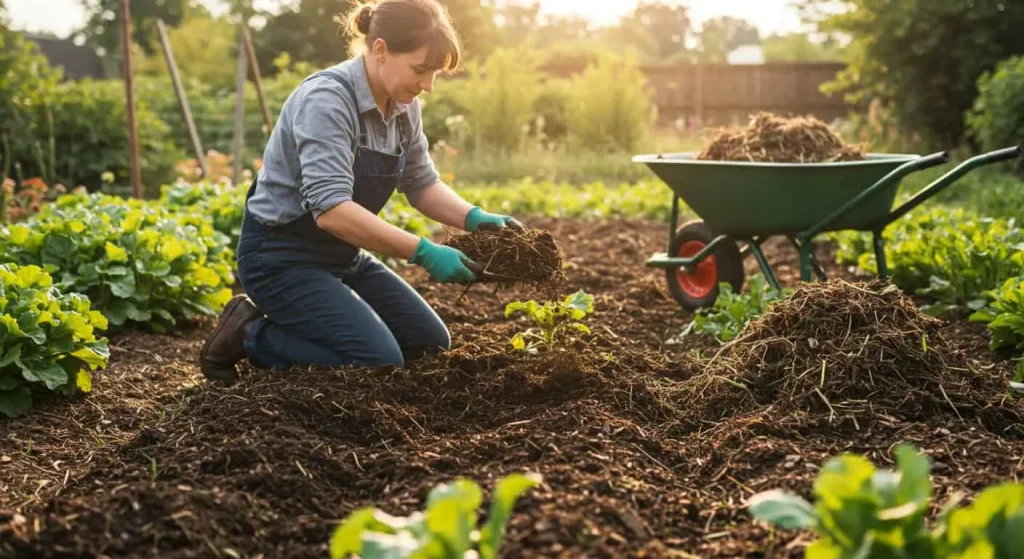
[{"x": 405, "y": 25}]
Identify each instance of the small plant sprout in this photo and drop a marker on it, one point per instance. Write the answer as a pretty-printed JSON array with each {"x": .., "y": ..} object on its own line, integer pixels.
[
  {"x": 551, "y": 318},
  {"x": 446, "y": 530}
]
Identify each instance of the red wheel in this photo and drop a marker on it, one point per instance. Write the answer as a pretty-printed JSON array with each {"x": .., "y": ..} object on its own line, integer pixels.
[
  {"x": 697, "y": 282},
  {"x": 697, "y": 287}
]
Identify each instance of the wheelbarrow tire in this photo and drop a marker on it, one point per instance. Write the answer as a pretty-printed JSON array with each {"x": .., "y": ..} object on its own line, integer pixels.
[{"x": 698, "y": 288}]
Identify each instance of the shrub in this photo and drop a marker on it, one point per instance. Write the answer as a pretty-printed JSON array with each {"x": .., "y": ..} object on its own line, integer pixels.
[
  {"x": 732, "y": 311},
  {"x": 860, "y": 511},
  {"x": 138, "y": 262},
  {"x": 997, "y": 118},
  {"x": 500, "y": 98},
  {"x": 610, "y": 107},
  {"x": 47, "y": 338}
]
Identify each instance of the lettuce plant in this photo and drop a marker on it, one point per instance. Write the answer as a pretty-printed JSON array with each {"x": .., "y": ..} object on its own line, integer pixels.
[{"x": 48, "y": 339}]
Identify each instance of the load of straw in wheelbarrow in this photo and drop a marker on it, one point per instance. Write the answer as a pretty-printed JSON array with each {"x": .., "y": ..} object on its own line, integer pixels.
[{"x": 774, "y": 139}]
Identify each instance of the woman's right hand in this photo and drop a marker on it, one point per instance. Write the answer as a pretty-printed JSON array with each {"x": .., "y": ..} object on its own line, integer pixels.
[{"x": 445, "y": 264}]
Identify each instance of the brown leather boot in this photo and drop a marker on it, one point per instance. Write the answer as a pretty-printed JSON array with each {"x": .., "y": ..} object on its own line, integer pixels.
[{"x": 224, "y": 347}]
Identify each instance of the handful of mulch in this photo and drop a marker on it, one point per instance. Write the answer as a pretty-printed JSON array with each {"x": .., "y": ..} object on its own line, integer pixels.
[
  {"x": 773, "y": 139},
  {"x": 510, "y": 255}
]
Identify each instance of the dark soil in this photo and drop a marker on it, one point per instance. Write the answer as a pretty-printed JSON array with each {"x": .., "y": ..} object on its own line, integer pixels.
[{"x": 157, "y": 463}]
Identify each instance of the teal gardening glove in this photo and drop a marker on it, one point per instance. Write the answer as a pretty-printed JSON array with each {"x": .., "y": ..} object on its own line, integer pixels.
[
  {"x": 477, "y": 219},
  {"x": 445, "y": 264}
]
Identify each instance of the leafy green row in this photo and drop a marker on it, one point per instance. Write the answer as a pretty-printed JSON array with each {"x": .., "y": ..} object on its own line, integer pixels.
[
  {"x": 1004, "y": 315},
  {"x": 137, "y": 262},
  {"x": 861, "y": 511},
  {"x": 47, "y": 338},
  {"x": 642, "y": 200},
  {"x": 952, "y": 255}
]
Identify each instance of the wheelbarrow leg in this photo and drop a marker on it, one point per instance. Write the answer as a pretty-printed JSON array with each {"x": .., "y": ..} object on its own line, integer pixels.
[
  {"x": 883, "y": 269},
  {"x": 811, "y": 260},
  {"x": 766, "y": 269}
]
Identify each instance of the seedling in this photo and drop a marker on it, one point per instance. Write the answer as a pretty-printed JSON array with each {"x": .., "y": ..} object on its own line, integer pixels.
[
  {"x": 552, "y": 318},
  {"x": 446, "y": 530}
]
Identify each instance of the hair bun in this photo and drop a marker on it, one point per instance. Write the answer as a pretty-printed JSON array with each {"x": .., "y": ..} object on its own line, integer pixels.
[{"x": 363, "y": 19}]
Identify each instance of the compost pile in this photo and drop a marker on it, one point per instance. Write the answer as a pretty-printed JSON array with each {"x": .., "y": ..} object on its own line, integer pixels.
[
  {"x": 511, "y": 256},
  {"x": 774, "y": 139},
  {"x": 848, "y": 351}
]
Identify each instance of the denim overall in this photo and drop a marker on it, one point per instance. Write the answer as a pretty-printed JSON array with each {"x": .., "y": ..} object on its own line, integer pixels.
[{"x": 326, "y": 302}]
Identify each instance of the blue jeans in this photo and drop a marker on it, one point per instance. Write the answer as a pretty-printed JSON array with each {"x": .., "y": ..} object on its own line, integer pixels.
[{"x": 322, "y": 310}]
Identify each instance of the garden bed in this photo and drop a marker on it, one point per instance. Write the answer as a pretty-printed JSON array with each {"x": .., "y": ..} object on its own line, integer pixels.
[{"x": 155, "y": 462}]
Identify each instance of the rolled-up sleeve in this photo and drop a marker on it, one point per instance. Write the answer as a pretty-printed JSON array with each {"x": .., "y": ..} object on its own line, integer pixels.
[
  {"x": 324, "y": 128},
  {"x": 419, "y": 167}
]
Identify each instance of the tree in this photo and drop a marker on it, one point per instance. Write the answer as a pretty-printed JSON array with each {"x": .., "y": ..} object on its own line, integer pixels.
[
  {"x": 306, "y": 33},
  {"x": 720, "y": 35},
  {"x": 667, "y": 25},
  {"x": 922, "y": 58},
  {"x": 205, "y": 48},
  {"x": 102, "y": 30}
]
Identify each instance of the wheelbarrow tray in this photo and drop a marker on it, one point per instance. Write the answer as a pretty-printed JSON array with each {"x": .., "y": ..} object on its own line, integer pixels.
[{"x": 753, "y": 198}]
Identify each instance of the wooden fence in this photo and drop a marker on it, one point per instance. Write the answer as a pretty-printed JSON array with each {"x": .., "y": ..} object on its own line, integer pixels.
[{"x": 718, "y": 94}]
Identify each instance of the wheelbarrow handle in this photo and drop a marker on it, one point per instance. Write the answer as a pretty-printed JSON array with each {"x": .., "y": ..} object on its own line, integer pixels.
[{"x": 952, "y": 176}]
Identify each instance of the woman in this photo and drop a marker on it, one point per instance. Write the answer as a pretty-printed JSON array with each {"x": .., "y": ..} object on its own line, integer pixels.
[{"x": 346, "y": 139}]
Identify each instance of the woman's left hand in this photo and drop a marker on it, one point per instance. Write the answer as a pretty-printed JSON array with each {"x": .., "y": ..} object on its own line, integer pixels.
[{"x": 478, "y": 219}]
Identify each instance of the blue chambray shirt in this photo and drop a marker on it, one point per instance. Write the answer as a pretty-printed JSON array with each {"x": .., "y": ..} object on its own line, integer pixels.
[{"x": 307, "y": 164}]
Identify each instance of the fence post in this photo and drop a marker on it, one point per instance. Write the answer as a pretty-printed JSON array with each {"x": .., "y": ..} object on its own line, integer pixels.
[
  {"x": 239, "y": 111},
  {"x": 257, "y": 78},
  {"x": 179, "y": 90},
  {"x": 129, "y": 89}
]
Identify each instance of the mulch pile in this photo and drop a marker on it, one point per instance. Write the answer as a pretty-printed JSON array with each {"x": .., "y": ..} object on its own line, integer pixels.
[
  {"x": 850, "y": 351},
  {"x": 774, "y": 139},
  {"x": 511, "y": 256}
]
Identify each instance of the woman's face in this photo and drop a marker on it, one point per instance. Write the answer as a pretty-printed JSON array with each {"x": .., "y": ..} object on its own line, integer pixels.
[{"x": 404, "y": 75}]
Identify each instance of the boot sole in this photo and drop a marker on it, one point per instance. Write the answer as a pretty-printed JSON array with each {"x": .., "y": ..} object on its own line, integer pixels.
[{"x": 223, "y": 373}]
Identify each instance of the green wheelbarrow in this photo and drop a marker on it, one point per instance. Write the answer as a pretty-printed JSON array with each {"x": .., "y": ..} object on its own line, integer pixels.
[{"x": 750, "y": 202}]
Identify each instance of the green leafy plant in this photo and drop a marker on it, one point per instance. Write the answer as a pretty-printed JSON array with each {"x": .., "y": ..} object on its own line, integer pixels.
[
  {"x": 447, "y": 529},
  {"x": 47, "y": 338},
  {"x": 864, "y": 512},
  {"x": 732, "y": 311},
  {"x": 610, "y": 107},
  {"x": 950, "y": 255},
  {"x": 136, "y": 261},
  {"x": 1004, "y": 316},
  {"x": 551, "y": 319}
]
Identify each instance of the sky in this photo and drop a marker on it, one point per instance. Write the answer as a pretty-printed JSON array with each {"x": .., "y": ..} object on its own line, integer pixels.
[{"x": 770, "y": 16}]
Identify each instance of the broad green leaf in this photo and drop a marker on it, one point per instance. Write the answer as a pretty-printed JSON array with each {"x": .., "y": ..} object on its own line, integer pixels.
[
  {"x": 377, "y": 545},
  {"x": 34, "y": 276},
  {"x": 122, "y": 286},
  {"x": 785, "y": 510},
  {"x": 514, "y": 307},
  {"x": 172, "y": 281},
  {"x": 518, "y": 342},
  {"x": 347, "y": 538},
  {"x": 16, "y": 401},
  {"x": 914, "y": 467},
  {"x": 115, "y": 253},
  {"x": 581, "y": 300},
  {"x": 49, "y": 373},
  {"x": 83, "y": 380},
  {"x": 11, "y": 355},
  {"x": 451, "y": 513},
  {"x": 57, "y": 248},
  {"x": 91, "y": 359},
  {"x": 503, "y": 501},
  {"x": 19, "y": 234},
  {"x": 579, "y": 327},
  {"x": 171, "y": 249}
]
